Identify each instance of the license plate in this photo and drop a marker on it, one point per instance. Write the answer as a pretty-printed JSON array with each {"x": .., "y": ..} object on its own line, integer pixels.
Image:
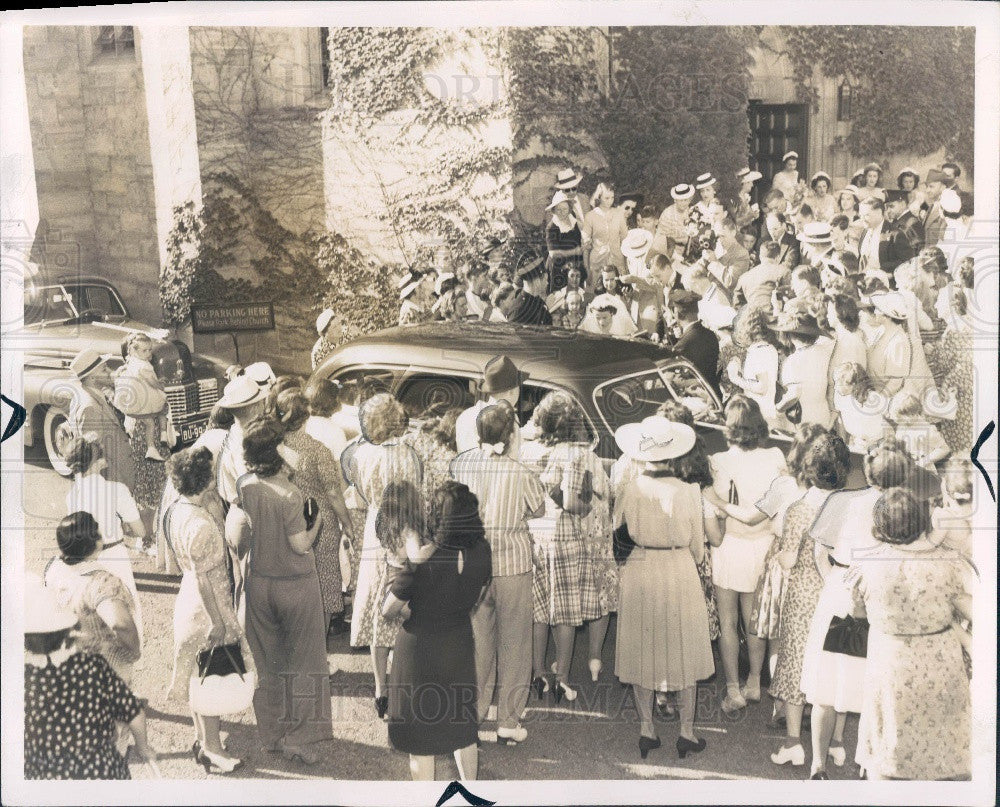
[{"x": 192, "y": 431}]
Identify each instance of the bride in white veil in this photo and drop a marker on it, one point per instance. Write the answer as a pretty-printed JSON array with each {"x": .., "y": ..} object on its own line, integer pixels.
[{"x": 606, "y": 315}]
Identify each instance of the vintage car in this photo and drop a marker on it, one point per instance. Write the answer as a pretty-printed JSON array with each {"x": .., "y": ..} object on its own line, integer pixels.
[
  {"x": 615, "y": 381},
  {"x": 67, "y": 314}
]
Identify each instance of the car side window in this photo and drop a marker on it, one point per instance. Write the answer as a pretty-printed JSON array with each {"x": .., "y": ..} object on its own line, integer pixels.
[
  {"x": 428, "y": 394},
  {"x": 367, "y": 382}
]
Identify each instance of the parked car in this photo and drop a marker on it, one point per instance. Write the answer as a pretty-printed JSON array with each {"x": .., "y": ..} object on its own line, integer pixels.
[
  {"x": 616, "y": 381},
  {"x": 71, "y": 313}
]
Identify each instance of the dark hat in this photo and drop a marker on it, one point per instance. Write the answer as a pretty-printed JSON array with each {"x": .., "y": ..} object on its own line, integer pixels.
[
  {"x": 683, "y": 297},
  {"x": 501, "y": 374},
  {"x": 492, "y": 244},
  {"x": 936, "y": 175},
  {"x": 632, "y": 196},
  {"x": 892, "y": 195},
  {"x": 530, "y": 268}
]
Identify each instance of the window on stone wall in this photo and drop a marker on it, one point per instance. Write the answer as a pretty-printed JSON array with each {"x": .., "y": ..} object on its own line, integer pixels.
[
  {"x": 324, "y": 55},
  {"x": 115, "y": 40},
  {"x": 845, "y": 97}
]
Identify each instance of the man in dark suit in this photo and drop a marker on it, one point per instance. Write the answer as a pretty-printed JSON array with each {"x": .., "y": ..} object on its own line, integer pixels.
[
  {"x": 775, "y": 227},
  {"x": 696, "y": 343},
  {"x": 882, "y": 249},
  {"x": 528, "y": 306},
  {"x": 902, "y": 220},
  {"x": 934, "y": 221}
]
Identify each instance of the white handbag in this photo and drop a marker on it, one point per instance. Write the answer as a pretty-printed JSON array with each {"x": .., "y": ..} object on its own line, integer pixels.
[{"x": 221, "y": 684}]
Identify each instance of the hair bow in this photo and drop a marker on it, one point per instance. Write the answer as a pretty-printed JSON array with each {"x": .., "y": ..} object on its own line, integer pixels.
[{"x": 496, "y": 448}]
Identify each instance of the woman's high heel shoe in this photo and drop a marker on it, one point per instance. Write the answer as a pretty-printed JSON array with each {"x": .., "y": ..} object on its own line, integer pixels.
[
  {"x": 647, "y": 744},
  {"x": 382, "y": 706},
  {"x": 838, "y": 755},
  {"x": 794, "y": 754},
  {"x": 596, "y": 665},
  {"x": 563, "y": 690},
  {"x": 214, "y": 763},
  {"x": 686, "y": 746},
  {"x": 541, "y": 685}
]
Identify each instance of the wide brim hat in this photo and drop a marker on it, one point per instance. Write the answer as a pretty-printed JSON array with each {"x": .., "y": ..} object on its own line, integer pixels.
[
  {"x": 890, "y": 303},
  {"x": 42, "y": 611},
  {"x": 798, "y": 323},
  {"x": 746, "y": 175},
  {"x": 788, "y": 155},
  {"x": 241, "y": 391},
  {"x": 704, "y": 181},
  {"x": 323, "y": 320},
  {"x": 501, "y": 374},
  {"x": 567, "y": 179},
  {"x": 817, "y": 177},
  {"x": 907, "y": 172},
  {"x": 260, "y": 373},
  {"x": 558, "y": 198},
  {"x": 636, "y": 243},
  {"x": 873, "y": 166},
  {"x": 682, "y": 191},
  {"x": 655, "y": 439},
  {"x": 529, "y": 267},
  {"x": 815, "y": 232},
  {"x": 86, "y": 361}
]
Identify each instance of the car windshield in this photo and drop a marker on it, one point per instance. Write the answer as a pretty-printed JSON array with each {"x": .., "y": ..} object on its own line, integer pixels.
[
  {"x": 630, "y": 399},
  {"x": 61, "y": 302}
]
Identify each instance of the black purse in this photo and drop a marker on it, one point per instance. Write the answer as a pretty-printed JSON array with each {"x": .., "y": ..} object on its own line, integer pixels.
[
  {"x": 848, "y": 636},
  {"x": 223, "y": 659},
  {"x": 622, "y": 544}
]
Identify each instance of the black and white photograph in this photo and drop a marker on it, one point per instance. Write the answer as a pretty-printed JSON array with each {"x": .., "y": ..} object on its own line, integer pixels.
[{"x": 563, "y": 402}]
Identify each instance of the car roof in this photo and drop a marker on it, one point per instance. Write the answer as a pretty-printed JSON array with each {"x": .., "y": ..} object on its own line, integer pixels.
[
  {"x": 71, "y": 279},
  {"x": 542, "y": 352}
]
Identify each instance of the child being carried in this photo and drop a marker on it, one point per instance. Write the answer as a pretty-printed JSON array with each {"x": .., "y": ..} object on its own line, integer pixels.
[{"x": 140, "y": 394}]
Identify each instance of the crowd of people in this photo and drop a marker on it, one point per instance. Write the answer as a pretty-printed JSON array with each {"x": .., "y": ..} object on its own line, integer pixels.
[{"x": 456, "y": 546}]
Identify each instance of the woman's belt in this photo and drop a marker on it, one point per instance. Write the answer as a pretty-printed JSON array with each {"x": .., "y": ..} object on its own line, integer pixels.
[
  {"x": 659, "y": 548},
  {"x": 945, "y": 629}
]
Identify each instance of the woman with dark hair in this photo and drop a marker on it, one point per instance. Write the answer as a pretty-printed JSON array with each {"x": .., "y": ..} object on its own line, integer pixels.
[
  {"x": 103, "y": 605},
  {"x": 379, "y": 458},
  {"x": 319, "y": 478},
  {"x": 73, "y": 699},
  {"x": 849, "y": 343},
  {"x": 821, "y": 201},
  {"x": 908, "y": 181},
  {"x": 323, "y": 399},
  {"x": 563, "y": 242},
  {"x": 663, "y": 643},
  {"x": 755, "y": 370},
  {"x": 871, "y": 177},
  {"x": 832, "y": 679},
  {"x": 916, "y": 716},
  {"x": 742, "y": 475},
  {"x": 204, "y": 616},
  {"x": 805, "y": 371},
  {"x": 824, "y": 467},
  {"x": 576, "y": 579},
  {"x": 284, "y": 607},
  {"x": 435, "y": 647}
]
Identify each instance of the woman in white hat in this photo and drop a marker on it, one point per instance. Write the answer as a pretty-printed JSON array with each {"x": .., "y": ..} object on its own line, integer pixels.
[
  {"x": 820, "y": 199},
  {"x": 606, "y": 316},
  {"x": 745, "y": 212},
  {"x": 415, "y": 291},
  {"x": 787, "y": 180},
  {"x": 663, "y": 640},
  {"x": 564, "y": 241},
  {"x": 331, "y": 331},
  {"x": 708, "y": 206},
  {"x": 73, "y": 700},
  {"x": 672, "y": 226}
]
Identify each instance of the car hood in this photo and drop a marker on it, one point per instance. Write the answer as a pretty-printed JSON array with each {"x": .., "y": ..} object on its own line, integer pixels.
[{"x": 55, "y": 346}]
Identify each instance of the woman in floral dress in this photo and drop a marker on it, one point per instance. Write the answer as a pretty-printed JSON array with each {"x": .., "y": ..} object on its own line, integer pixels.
[
  {"x": 953, "y": 364},
  {"x": 371, "y": 464},
  {"x": 317, "y": 476},
  {"x": 434, "y": 444},
  {"x": 150, "y": 478},
  {"x": 916, "y": 716},
  {"x": 824, "y": 470}
]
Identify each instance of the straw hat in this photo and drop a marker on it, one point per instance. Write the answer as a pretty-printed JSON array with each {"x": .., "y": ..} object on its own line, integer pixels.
[
  {"x": 636, "y": 243},
  {"x": 260, "y": 372},
  {"x": 682, "y": 191},
  {"x": 558, "y": 198},
  {"x": 655, "y": 439},
  {"x": 746, "y": 175},
  {"x": 704, "y": 181},
  {"x": 86, "y": 361},
  {"x": 241, "y": 391},
  {"x": 815, "y": 232},
  {"x": 323, "y": 320},
  {"x": 567, "y": 179}
]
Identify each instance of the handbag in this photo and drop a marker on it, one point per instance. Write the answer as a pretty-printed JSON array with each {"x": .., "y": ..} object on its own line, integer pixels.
[
  {"x": 848, "y": 636},
  {"x": 622, "y": 544},
  {"x": 221, "y": 684}
]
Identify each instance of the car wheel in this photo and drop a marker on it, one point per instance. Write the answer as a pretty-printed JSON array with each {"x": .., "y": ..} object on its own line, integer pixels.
[{"x": 57, "y": 433}]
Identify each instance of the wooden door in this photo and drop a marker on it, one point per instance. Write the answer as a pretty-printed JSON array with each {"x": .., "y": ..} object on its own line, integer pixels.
[{"x": 776, "y": 129}]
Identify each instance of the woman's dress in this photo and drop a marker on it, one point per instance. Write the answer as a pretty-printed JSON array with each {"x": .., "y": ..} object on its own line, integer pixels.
[
  {"x": 663, "y": 642},
  {"x": 916, "y": 720},
  {"x": 71, "y": 716},
  {"x": 953, "y": 361},
  {"x": 370, "y": 468},
  {"x": 195, "y": 536},
  {"x": 316, "y": 474},
  {"x": 435, "y": 652},
  {"x": 563, "y": 239}
]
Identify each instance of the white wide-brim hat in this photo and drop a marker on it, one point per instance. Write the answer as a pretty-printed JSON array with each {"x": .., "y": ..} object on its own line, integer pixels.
[
  {"x": 241, "y": 391},
  {"x": 704, "y": 181},
  {"x": 260, "y": 373},
  {"x": 892, "y": 304},
  {"x": 42, "y": 611},
  {"x": 636, "y": 243},
  {"x": 815, "y": 232},
  {"x": 323, "y": 320},
  {"x": 655, "y": 439},
  {"x": 558, "y": 198},
  {"x": 746, "y": 175}
]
